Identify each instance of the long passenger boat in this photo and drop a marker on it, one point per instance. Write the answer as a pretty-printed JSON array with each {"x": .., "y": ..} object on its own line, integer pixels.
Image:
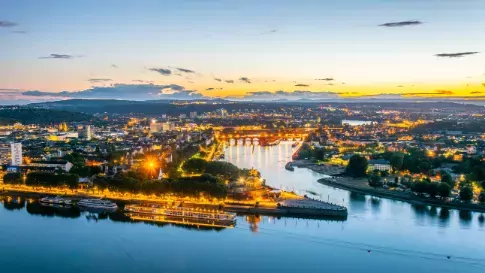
[
  {"x": 97, "y": 204},
  {"x": 187, "y": 213},
  {"x": 179, "y": 220},
  {"x": 55, "y": 201}
]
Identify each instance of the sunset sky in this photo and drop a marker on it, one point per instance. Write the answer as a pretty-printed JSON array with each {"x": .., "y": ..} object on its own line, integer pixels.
[{"x": 250, "y": 49}]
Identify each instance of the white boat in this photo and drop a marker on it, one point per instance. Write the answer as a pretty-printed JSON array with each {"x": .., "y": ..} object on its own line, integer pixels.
[
  {"x": 97, "y": 204},
  {"x": 55, "y": 200},
  {"x": 232, "y": 142},
  {"x": 197, "y": 213},
  {"x": 240, "y": 142}
]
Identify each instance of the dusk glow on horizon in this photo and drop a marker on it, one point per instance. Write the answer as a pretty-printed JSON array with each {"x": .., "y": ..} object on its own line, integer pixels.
[{"x": 189, "y": 49}]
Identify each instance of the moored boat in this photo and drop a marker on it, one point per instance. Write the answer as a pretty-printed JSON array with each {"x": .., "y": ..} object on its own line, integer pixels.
[
  {"x": 195, "y": 213},
  {"x": 57, "y": 200},
  {"x": 97, "y": 204},
  {"x": 180, "y": 220}
]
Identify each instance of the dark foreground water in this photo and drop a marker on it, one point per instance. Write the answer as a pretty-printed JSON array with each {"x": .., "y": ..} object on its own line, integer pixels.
[{"x": 399, "y": 236}]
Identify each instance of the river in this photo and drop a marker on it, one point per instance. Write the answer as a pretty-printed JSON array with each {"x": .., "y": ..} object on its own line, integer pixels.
[{"x": 379, "y": 235}]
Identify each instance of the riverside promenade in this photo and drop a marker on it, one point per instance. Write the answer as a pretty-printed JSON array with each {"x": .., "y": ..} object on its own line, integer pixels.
[{"x": 361, "y": 186}]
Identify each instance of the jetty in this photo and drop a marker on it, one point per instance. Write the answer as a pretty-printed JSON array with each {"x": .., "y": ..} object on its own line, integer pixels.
[{"x": 304, "y": 207}]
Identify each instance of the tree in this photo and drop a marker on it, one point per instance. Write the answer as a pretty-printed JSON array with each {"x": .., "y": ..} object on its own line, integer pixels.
[
  {"x": 466, "y": 193},
  {"x": 481, "y": 197},
  {"x": 446, "y": 178},
  {"x": 72, "y": 181},
  {"x": 101, "y": 183},
  {"x": 12, "y": 178},
  {"x": 396, "y": 162},
  {"x": 223, "y": 170},
  {"x": 375, "y": 181},
  {"x": 357, "y": 166},
  {"x": 432, "y": 189},
  {"x": 444, "y": 190},
  {"x": 419, "y": 187},
  {"x": 194, "y": 165},
  {"x": 76, "y": 159}
]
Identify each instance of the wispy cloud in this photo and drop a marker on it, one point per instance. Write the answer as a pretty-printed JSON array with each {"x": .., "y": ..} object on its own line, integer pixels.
[
  {"x": 125, "y": 91},
  {"x": 401, "y": 24},
  {"x": 163, "y": 71},
  {"x": 185, "y": 70},
  {"x": 229, "y": 81},
  {"x": 96, "y": 80},
  {"x": 477, "y": 92},
  {"x": 59, "y": 56},
  {"x": 269, "y": 32},
  {"x": 429, "y": 94},
  {"x": 213, "y": 88},
  {"x": 114, "y": 66},
  {"x": 19, "y": 32},
  {"x": 142, "y": 81},
  {"x": 7, "y": 24},
  {"x": 218, "y": 79},
  {"x": 325, "y": 79},
  {"x": 245, "y": 79},
  {"x": 302, "y": 85},
  {"x": 456, "y": 55}
]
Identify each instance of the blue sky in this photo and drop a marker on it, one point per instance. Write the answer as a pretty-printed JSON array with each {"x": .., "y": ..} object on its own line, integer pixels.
[{"x": 278, "y": 45}]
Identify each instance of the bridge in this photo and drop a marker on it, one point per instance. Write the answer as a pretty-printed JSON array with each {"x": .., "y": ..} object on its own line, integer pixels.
[{"x": 265, "y": 134}]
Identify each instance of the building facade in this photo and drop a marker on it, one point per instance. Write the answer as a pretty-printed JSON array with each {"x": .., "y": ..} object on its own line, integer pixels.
[{"x": 16, "y": 154}]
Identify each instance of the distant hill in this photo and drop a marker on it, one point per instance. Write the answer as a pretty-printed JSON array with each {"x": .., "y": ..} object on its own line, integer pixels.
[
  {"x": 158, "y": 107},
  {"x": 29, "y": 115}
]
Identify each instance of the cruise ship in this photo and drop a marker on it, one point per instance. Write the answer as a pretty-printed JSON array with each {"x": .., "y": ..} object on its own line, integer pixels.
[
  {"x": 97, "y": 204},
  {"x": 55, "y": 201},
  {"x": 179, "y": 220},
  {"x": 194, "y": 213}
]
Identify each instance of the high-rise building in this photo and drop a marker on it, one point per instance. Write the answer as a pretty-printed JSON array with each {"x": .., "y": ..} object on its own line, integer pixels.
[
  {"x": 89, "y": 132},
  {"x": 193, "y": 114},
  {"x": 16, "y": 154},
  {"x": 85, "y": 132},
  {"x": 223, "y": 112}
]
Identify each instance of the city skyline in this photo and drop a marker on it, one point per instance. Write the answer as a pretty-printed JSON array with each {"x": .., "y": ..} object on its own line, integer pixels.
[{"x": 226, "y": 49}]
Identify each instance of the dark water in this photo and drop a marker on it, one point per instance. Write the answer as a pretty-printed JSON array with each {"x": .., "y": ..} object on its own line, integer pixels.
[{"x": 400, "y": 237}]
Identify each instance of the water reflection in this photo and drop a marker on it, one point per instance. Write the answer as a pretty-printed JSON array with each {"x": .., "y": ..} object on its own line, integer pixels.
[
  {"x": 36, "y": 208},
  {"x": 375, "y": 204},
  {"x": 357, "y": 202},
  {"x": 481, "y": 220},
  {"x": 465, "y": 218},
  {"x": 13, "y": 203},
  {"x": 253, "y": 221}
]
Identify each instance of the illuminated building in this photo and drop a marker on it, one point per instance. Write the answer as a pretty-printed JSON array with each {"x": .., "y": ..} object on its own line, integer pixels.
[
  {"x": 16, "y": 154},
  {"x": 155, "y": 126},
  {"x": 379, "y": 164}
]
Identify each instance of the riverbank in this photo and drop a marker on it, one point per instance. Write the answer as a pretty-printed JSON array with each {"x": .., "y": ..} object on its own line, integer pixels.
[
  {"x": 361, "y": 186},
  {"x": 319, "y": 168},
  {"x": 302, "y": 207}
]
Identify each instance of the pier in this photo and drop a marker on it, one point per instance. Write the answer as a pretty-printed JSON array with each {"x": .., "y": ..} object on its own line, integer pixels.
[{"x": 305, "y": 207}]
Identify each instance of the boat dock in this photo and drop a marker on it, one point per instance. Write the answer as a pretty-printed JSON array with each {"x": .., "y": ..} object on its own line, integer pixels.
[{"x": 305, "y": 207}]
